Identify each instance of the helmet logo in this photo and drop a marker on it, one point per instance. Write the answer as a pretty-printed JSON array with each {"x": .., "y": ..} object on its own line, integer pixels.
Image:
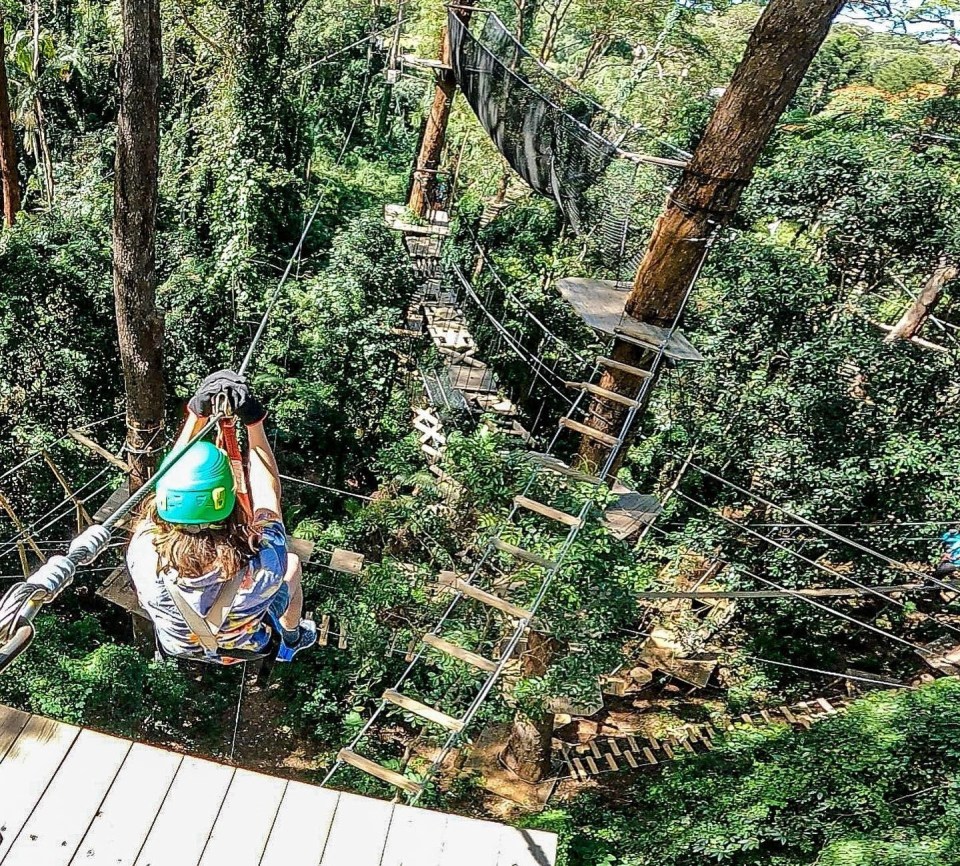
[{"x": 219, "y": 497}]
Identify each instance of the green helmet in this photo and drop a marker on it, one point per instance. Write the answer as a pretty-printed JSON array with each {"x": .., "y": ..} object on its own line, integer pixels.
[{"x": 199, "y": 488}]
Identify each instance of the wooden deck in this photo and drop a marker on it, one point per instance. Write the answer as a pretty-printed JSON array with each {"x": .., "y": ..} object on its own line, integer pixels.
[{"x": 74, "y": 796}]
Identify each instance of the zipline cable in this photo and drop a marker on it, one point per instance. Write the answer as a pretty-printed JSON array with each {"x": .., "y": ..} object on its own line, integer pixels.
[
  {"x": 34, "y": 455},
  {"x": 863, "y": 548},
  {"x": 20, "y": 605},
  {"x": 855, "y": 677},
  {"x": 806, "y": 598},
  {"x": 815, "y": 563}
]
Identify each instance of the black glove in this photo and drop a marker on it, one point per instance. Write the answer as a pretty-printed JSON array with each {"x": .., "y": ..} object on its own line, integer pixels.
[{"x": 244, "y": 405}]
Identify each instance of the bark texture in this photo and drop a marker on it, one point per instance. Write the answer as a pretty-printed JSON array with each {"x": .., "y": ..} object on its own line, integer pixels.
[
  {"x": 424, "y": 191},
  {"x": 783, "y": 43},
  {"x": 527, "y": 752},
  {"x": 9, "y": 177},
  {"x": 920, "y": 310},
  {"x": 139, "y": 324}
]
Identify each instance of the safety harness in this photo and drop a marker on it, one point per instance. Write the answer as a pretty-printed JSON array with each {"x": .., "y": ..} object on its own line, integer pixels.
[{"x": 207, "y": 628}]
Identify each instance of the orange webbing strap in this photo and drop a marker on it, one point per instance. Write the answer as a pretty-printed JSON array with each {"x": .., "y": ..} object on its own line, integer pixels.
[{"x": 227, "y": 440}]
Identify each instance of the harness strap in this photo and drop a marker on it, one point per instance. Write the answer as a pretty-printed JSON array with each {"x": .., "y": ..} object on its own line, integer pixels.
[
  {"x": 206, "y": 628},
  {"x": 227, "y": 440}
]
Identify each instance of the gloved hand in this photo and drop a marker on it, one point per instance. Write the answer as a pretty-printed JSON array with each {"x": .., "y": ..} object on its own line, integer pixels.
[{"x": 245, "y": 406}]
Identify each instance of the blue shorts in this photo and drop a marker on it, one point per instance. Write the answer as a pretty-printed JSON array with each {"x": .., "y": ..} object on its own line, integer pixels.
[{"x": 281, "y": 601}]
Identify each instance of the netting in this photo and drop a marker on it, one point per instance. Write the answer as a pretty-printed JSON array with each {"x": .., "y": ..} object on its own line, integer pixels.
[{"x": 558, "y": 140}]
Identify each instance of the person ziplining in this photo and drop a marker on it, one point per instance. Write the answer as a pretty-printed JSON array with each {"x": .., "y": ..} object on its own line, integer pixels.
[
  {"x": 949, "y": 563},
  {"x": 210, "y": 564}
]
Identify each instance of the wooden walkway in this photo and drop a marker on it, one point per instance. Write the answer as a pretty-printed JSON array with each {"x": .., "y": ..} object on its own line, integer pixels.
[{"x": 74, "y": 796}]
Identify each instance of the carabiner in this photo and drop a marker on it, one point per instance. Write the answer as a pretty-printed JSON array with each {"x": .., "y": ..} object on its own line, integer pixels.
[{"x": 222, "y": 404}]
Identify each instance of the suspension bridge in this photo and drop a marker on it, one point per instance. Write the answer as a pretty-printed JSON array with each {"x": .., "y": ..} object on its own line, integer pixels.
[{"x": 75, "y": 796}]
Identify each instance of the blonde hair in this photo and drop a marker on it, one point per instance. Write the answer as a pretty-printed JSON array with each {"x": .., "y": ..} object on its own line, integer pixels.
[{"x": 195, "y": 552}]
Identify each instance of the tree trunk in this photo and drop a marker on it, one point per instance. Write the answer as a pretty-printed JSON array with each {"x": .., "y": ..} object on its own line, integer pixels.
[
  {"x": 526, "y": 12},
  {"x": 781, "y": 47},
  {"x": 139, "y": 324},
  {"x": 919, "y": 311},
  {"x": 527, "y": 752},
  {"x": 9, "y": 177},
  {"x": 423, "y": 193},
  {"x": 44, "y": 150},
  {"x": 554, "y": 21}
]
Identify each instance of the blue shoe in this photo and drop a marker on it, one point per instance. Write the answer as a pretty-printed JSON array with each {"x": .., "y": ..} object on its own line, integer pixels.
[{"x": 307, "y": 638}]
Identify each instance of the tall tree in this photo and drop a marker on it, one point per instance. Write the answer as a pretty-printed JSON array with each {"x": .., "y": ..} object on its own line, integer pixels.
[
  {"x": 423, "y": 193},
  {"x": 9, "y": 178},
  {"x": 783, "y": 43},
  {"x": 139, "y": 323}
]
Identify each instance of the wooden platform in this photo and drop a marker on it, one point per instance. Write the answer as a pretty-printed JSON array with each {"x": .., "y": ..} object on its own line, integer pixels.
[
  {"x": 600, "y": 304},
  {"x": 398, "y": 218},
  {"x": 75, "y": 796},
  {"x": 630, "y": 512}
]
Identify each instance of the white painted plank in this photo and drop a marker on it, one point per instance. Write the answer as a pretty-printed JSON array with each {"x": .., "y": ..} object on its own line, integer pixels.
[
  {"x": 468, "y": 842},
  {"x": 27, "y": 769},
  {"x": 359, "y": 832},
  {"x": 241, "y": 832},
  {"x": 186, "y": 817},
  {"x": 302, "y": 825},
  {"x": 68, "y": 806},
  {"x": 526, "y": 848},
  {"x": 415, "y": 838},
  {"x": 121, "y": 826},
  {"x": 12, "y": 722}
]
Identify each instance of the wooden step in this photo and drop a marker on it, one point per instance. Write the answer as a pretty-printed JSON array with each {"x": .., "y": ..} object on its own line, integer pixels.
[
  {"x": 374, "y": 769},
  {"x": 554, "y": 464},
  {"x": 584, "y": 430},
  {"x": 458, "y": 652},
  {"x": 520, "y": 553},
  {"x": 422, "y": 710},
  {"x": 610, "y": 364},
  {"x": 590, "y": 388},
  {"x": 546, "y": 511},
  {"x": 449, "y": 580}
]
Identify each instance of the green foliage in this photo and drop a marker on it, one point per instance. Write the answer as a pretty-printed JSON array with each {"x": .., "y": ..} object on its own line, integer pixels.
[
  {"x": 876, "y": 785},
  {"x": 71, "y": 673},
  {"x": 902, "y": 73}
]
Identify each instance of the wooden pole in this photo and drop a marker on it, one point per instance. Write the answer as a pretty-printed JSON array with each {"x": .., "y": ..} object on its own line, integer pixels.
[
  {"x": 96, "y": 448},
  {"x": 9, "y": 177},
  {"x": 423, "y": 192},
  {"x": 21, "y": 530},
  {"x": 784, "y": 42},
  {"x": 139, "y": 323},
  {"x": 83, "y": 516}
]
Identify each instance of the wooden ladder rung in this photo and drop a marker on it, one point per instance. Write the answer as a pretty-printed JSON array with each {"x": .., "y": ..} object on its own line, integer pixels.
[
  {"x": 546, "y": 511},
  {"x": 348, "y": 756},
  {"x": 554, "y": 464},
  {"x": 584, "y": 430},
  {"x": 450, "y": 581},
  {"x": 525, "y": 555},
  {"x": 458, "y": 652},
  {"x": 607, "y": 394},
  {"x": 422, "y": 710},
  {"x": 610, "y": 364}
]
